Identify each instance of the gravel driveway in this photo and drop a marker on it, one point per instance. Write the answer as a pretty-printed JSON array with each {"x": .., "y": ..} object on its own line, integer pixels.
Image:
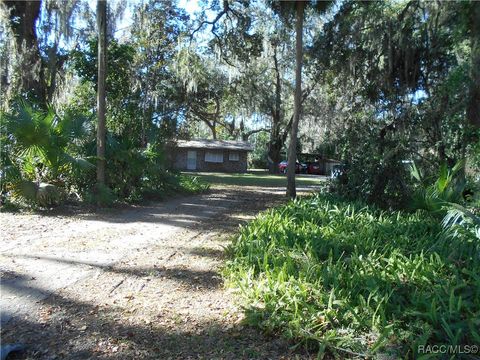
[{"x": 141, "y": 282}]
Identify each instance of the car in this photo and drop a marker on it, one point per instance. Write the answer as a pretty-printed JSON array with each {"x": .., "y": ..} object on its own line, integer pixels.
[
  {"x": 338, "y": 170},
  {"x": 314, "y": 168},
  {"x": 303, "y": 168},
  {"x": 284, "y": 164}
]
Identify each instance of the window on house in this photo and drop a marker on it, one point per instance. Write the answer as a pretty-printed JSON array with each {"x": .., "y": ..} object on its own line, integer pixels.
[
  {"x": 213, "y": 157},
  {"x": 233, "y": 156}
]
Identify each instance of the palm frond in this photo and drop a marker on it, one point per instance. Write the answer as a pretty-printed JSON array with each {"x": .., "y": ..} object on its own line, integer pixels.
[
  {"x": 457, "y": 212},
  {"x": 10, "y": 174},
  {"x": 77, "y": 162},
  {"x": 415, "y": 172},
  {"x": 26, "y": 189}
]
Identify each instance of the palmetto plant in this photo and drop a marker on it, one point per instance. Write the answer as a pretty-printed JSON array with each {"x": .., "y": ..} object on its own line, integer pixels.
[
  {"x": 444, "y": 196},
  {"x": 434, "y": 194},
  {"x": 40, "y": 146}
]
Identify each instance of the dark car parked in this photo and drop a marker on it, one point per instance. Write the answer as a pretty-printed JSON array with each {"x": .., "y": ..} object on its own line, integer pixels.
[{"x": 299, "y": 168}]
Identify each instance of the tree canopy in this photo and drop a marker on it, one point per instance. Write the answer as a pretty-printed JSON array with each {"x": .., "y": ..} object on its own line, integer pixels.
[{"x": 395, "y": 80}]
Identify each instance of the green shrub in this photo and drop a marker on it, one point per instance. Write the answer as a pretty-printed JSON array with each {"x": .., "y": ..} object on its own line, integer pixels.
[
  {"x": 40, "y": 147},
  {"x": 436, "y": 193},
  {"x": 46, "y": 157},
  {"x": 192, "y": 184},
  {"x": 449, "y": 194},
  {"x": 100, "y": 195},
  {"x": 343, "y": 277}
]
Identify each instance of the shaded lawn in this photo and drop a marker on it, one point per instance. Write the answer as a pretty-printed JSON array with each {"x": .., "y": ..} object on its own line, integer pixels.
[{"x": 257, "y": 178}]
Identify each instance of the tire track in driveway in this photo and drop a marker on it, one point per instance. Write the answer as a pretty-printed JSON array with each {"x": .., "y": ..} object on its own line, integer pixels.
[
  {"x": 161, "y": 297},
  {"x": 35, "y": 264}
]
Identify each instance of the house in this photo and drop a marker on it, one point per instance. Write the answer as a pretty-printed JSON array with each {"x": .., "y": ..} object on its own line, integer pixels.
[{"x": 211, "y": 155}]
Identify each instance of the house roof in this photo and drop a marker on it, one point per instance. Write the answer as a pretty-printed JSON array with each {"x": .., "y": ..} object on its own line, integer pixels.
[{"x": 215, "y": 144}]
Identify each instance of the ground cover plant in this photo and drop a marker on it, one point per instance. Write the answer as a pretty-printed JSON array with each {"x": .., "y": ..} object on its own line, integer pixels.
[{"x": 349, "y": 279}]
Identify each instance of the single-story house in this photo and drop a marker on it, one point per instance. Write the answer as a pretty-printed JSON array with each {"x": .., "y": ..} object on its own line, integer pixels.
[{"x": 211, "y": 155}]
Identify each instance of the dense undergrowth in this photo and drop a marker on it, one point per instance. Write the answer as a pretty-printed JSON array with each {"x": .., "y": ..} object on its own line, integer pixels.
[
  {"x": 344, "y": 278},
  {"x": 47, "y": 157}
]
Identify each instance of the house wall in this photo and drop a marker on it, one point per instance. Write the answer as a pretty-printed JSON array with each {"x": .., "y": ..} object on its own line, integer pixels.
[{"x": 240, "y": 166}]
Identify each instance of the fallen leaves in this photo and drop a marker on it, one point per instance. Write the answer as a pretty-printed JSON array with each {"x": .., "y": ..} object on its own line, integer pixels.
[{"x": 150, "y": 304}]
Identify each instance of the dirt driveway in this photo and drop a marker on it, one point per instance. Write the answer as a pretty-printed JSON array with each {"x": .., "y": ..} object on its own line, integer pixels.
[{"x": 136, "y": 283}]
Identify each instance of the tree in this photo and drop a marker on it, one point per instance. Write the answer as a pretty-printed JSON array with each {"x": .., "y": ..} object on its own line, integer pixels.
[
  {"x": 23, "y": 16},
  {"x": 256, "y": 51},
  {"x": 292, "y": 149},
  {"x": 285, "y": 10},
  {"x": 34, "y": 40},
  {"x": 101, "y": 98},
  {"x": 397, "y": 91},
  {"x": 124, "y": 113},
  {"x": 473, "y": 108},
  {"x": 159, "y": 26}
]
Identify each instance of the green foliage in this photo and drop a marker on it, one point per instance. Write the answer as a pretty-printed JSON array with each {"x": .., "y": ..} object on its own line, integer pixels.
[
  {"x": 327, "y": 148},
  {"x": 448, "y": 195},
  {"x": 46, "y": 157},
  {"x": 393, "y": 100},
  {"x": 342, "y": 277},
  {"x": 375, "y": 168},
  {"x": 434, "y": 196},
  {"x": 120, "y": 59},
  {"x": 41, "y": 147},
  {"x": 192, "y": 184},
  {"x": 100, "y": 194},
  {"x": 258, "y": 159},
  {"x": 135, "y": 174},
  {"x": 124, "y": 112}
]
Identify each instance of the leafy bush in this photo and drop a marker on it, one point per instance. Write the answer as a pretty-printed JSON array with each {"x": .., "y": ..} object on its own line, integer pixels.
[
  {"x": 258, "y": 159},
  {"x": 40, "y": 147},
  {"x": 376, "y": 170},
  {"x": 46, "y": 157},
  {"x": 435, "y": 194},
  {"x": 192, "y": 184},
  {"x": 450, "y": 194},
  {"x": 343, "y": 278}
]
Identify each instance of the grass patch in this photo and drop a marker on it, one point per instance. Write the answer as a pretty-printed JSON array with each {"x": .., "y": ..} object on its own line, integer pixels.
[
  {"x": 257, "y": 178},
  {"x": 348, "y": 279},
  {"x": 173, "y": 185}
]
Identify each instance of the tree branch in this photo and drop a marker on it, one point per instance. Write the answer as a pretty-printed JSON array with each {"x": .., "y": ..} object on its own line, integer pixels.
[
  {"x": 213, "y": 22},
  {"x": 246, "y": 135}
]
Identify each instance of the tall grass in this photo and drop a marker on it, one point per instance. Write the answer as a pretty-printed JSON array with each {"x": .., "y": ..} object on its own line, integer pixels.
[{"x": 348, "y": 279}]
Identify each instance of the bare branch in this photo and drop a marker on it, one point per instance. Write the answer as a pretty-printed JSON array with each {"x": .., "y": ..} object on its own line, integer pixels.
[
  {"x": 246, "y": 135},
  {"x": 226, "y": 9}
]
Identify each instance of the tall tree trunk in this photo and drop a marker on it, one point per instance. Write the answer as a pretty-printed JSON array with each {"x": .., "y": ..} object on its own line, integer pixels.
[
  {"x": 213, "y": 127},
  {"x": 274, "y": 155},
  {"x": 102, "y": 69},
  {"x": 473, "y": 107},
  {"x": 276, "y": 143},
  {"x": 292, "y": 149},
  {"x": 23, "y": 16}
]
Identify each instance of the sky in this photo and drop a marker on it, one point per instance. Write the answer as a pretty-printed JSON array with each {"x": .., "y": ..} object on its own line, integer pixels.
[{"x": 190, "y": 6}]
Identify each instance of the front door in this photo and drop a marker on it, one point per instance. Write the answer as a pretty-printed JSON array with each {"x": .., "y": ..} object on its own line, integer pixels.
[{"x": 192, "y": 160}]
